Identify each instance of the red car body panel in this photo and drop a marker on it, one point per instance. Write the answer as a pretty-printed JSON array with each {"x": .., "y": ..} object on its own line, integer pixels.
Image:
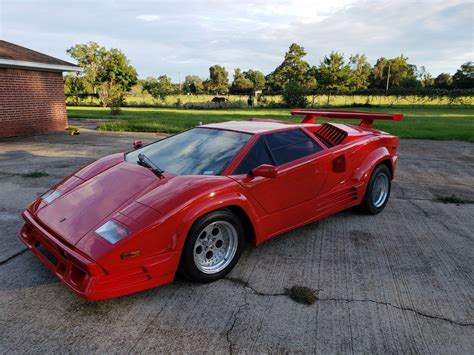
[{"x": 159, "y": 211}]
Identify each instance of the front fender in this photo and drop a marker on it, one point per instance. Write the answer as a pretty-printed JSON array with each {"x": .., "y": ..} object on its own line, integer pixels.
[{"x": 227, "y": 199}]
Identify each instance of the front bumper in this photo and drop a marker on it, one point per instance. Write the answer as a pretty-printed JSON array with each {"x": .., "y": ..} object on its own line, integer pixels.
[{"x": 81, "y": 274}]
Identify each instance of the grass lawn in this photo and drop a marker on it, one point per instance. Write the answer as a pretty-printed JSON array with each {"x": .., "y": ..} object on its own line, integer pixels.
[{"x": 425, "y": 122}]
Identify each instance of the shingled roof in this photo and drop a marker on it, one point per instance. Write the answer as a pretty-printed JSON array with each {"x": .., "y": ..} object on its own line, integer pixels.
[{"x": 15, "y": 56}]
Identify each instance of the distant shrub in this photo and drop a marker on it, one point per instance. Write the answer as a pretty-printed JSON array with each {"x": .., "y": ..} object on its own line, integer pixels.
[
  {"x": 275, "y": 104},
  {"x": 365, "y": 104},
  {"x": 294, "y": 95},
  {"x": 112, "y": 96},
  {"x": 209, "y": 105}
]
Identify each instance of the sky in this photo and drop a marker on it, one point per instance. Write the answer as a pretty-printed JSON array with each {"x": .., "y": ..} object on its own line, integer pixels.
[{"x": 178, "y": 38}]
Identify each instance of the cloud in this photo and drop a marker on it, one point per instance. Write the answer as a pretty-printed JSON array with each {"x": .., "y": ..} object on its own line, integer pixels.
[
  {"x": 187, "y": 37},
  {"x": 148, "y": 18}
]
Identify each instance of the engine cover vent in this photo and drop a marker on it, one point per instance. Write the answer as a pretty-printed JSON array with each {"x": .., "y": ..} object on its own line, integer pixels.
[{"x": 330, "y": 135}]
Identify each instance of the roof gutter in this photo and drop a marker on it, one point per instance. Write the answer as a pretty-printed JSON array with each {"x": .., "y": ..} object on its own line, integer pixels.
[{"x": 21, "y": 64}]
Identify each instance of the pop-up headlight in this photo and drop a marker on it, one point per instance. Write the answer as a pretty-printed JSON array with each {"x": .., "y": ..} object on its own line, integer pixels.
[
  {"x": 51, "y": 195},
  {"x": 112, "y": 231}
]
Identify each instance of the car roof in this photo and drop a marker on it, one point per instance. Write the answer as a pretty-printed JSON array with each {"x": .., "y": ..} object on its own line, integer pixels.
[{"x": 253, "y": 127}]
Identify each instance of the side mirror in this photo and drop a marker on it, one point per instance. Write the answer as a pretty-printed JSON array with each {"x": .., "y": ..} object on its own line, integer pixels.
[
  {"x": 137, "y": 144},
  {"x": 265, "y": 170}
]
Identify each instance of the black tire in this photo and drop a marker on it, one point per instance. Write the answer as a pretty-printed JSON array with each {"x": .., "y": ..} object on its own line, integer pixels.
[
  {"x": 368, "y": 204},
  {"x": 188, "y": 266}
]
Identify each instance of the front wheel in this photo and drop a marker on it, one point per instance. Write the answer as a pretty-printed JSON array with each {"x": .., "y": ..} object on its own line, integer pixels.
[
  {"x": 378, "y": 190},
  {"x": 213, "y": 246}
]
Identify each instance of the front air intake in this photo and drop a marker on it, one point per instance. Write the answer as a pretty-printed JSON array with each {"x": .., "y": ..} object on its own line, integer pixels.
[{"x": 330, "y": 135}]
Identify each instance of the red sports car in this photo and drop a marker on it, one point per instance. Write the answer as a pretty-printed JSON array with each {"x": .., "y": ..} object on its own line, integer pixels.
[{"x": 129, "y": 222}]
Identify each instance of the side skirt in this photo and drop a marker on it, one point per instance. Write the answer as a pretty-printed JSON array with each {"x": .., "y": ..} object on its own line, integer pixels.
[{"x": 310, "y": 211}]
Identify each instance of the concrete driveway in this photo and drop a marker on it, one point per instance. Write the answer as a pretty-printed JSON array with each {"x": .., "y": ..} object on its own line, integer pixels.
[{"x": 401, "y": 281}]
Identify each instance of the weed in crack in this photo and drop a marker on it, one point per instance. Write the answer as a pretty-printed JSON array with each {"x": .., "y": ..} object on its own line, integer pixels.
[
  {"x": 35, "y": 174},
  {"x": 302, "y": 294},
  {"x": 453, "y": 199}
]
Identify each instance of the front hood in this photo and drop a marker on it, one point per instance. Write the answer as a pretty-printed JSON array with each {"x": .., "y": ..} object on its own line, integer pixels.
[
  {"x": 86, "y": 207},
  {"x": 182, "y": 191}
]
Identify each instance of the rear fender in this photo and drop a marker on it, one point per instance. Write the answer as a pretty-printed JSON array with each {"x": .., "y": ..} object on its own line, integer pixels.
[{"x": 363, "y": 173}]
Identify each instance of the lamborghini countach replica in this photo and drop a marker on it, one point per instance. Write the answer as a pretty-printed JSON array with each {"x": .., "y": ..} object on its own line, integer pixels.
[{"x": 189, "y": 202}]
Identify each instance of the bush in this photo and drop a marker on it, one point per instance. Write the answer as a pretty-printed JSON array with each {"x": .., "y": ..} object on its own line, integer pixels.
[
  {"x": 294, "y": 95},
  {"x": 209, "y": 105},
  {"x": 366, "y": 104},
  {"x": 112, "y": 96}
]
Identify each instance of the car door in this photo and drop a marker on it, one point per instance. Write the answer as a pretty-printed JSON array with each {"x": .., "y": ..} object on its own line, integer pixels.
[{"x": 300, "y": 162}]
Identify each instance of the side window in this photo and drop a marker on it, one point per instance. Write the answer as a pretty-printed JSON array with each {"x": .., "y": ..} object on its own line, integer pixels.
[
  {"x": 258, "y": 155},
  {"x": 291, "y": 145}
]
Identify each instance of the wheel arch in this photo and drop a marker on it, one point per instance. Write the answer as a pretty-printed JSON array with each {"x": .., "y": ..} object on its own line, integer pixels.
[
  {"x": 193, "y": 217},
  {"x": 388, "y": 163},
  {"x": 378, "y": 156},
  {"x": 236, "y": 203},
  {"x": 247, "y": 223},
  {"x": 239, "y": 211}
]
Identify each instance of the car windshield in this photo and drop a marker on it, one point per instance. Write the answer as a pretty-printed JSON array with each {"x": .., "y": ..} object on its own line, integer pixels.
[{"x": 199, "y": 151}]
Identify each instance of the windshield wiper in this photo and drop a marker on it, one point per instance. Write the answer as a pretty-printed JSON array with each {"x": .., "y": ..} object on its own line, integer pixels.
[{"x": 143, "y": 160}]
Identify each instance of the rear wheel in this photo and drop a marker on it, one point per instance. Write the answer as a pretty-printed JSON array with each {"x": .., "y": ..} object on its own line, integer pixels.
[
  {"x": 378, "y": 190},
  {"x": 213, "y": 246}
]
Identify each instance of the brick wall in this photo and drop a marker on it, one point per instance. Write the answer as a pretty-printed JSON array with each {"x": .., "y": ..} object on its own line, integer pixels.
[{"x": 31, "y": 102}]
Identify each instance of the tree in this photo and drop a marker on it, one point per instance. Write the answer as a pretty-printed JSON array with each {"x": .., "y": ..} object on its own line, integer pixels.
[
  {"x": 443, "y": 81},
  {"x": 334, "y": 73},
  {"x": 75, "y": 87},
  {"x": 161, "y": 88},
  {"x": 361, "y": 70},
  {"x": 193, "y": 85},
  {"x": 400, "y": 72},
  {"x": 464, "y": 76},
  {"x": 102, "y": 66},
  {"x": 137, "y": 89},
  {"x": 410, "y": 82},
  {"x": 115, "y": 68},
  {"x": 425, "y": 78},
  {"x": 294, "y": 94},
  {"x": 149, "y": 83},
  {"x": 89, "y": 57},
  {"x": 293, "y": 68},
  {"x": 257, "y": 78},
  {"x": 241, "y": 84},
  {"x": 219, "y": 80}
]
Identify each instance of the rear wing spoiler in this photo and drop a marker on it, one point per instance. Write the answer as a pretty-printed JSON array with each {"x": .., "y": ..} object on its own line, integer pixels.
[{"x": 367, "y": 118}]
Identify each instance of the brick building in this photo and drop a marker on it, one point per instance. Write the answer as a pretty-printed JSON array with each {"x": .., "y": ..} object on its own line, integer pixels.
[{"x": 31, "y": 91}]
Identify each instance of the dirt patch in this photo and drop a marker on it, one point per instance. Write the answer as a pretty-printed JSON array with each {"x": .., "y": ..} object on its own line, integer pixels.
[{"x": 361, "y": 238}]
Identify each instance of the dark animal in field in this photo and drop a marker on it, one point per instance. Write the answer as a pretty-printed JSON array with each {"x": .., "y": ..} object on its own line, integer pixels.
[{"x": 219, "y": 100}]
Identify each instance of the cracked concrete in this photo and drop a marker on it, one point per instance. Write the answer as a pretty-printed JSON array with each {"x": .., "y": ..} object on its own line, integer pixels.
[
  {"x": 399, "y": 282},
  {"x": 319, "y": 299}
]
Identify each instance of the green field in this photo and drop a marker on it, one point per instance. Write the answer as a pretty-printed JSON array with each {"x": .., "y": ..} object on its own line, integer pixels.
[
  {"x": 425, "y": 122},
  {"x": 316, "y": 100}
]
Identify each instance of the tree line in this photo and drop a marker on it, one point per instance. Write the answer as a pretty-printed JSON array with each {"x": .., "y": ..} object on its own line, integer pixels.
[{"x": 109, "y": 75}]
